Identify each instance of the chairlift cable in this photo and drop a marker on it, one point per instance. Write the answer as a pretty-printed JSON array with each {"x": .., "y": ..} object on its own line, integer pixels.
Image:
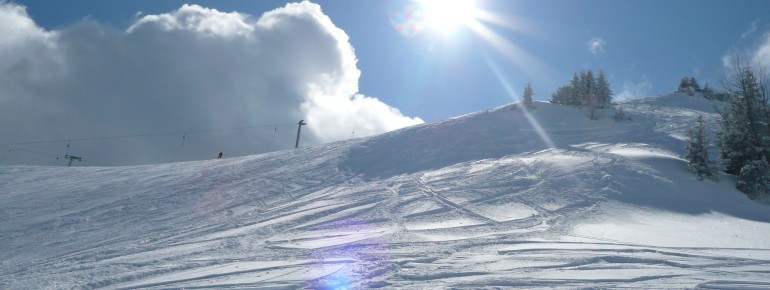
[{"x": 145, "y": 135}]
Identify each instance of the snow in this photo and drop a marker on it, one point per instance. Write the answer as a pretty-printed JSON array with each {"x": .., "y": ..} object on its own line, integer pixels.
[{"x": 501, "y": 198}]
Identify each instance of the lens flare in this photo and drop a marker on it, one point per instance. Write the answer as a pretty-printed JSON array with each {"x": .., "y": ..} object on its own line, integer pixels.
[
  {"x": 509, "y": 89},
  {"x": 408, "y": 18},
  {"x": 350, "y": 239},
  {"x": 443, "y": 16},
  {"x": 336, "y": 281},
  {"x": 412, "y": 17}
]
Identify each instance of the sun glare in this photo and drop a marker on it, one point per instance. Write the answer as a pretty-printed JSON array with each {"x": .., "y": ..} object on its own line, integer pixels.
[{"x": 448, "y": 15}]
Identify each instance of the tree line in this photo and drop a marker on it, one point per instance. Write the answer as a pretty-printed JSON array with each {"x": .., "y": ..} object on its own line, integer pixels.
[
  {"x": 744, "y": 136},
  {"x": 690, "y": 86},
  {"x": 584, "y": 90}
]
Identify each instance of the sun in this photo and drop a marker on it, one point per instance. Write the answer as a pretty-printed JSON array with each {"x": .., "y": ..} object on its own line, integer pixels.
[{"x": 447, "y": 15}]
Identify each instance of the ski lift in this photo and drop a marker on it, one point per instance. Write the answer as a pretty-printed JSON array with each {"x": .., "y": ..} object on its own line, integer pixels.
[{"x": 65, "y": 151}]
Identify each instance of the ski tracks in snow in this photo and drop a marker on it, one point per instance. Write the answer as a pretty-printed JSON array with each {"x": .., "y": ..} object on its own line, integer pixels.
[
  {"x": 446, "y": 202},
  {"x": 479, "y": 213}
]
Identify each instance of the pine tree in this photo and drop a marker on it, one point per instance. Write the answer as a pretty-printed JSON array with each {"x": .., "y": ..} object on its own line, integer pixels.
[
  {"x": 689, "y": 85},
  {"x": 744, "y": 130},
  {"x": 684, "y": 85},
  {"x": 694, "y": 84},
  {"x": 575, "y": 90},
  {"x": 568, "y": 94},
  {"x": 603, "y": 91},
  {"x": 745, "y": 135},
  {"x": 754, "y": 179},
  {"x": 713, "y": 94},
  {"x": 585, "y": 90},
  {"x": 526, "y": 98},
  {"x": 561, "y": 95},
  {"x": 697, "y": 152}
]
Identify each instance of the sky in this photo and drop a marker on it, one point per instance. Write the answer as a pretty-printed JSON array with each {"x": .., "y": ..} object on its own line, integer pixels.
[{"x": 138, "y": 82}]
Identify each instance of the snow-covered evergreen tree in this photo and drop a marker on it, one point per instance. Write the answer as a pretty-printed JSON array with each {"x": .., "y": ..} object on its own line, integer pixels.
[
  {"x": 745, "y": 135},
  {"x": 743, "y": 126},
  {"x": 584, "y": 90},
  {"x": 754, "y": 179},
  {"x": 694, "y": 84},
  {"x": 575, "y": 90},
  {"x": 713, "y": 94},
  {"x": 684, "y": 85},
  {"x": 697, "y": 151},
  {"x": 526, "y": 98},
  {"x": 689, "y": 85},
  {"x": 568, "y": 94},
  {"x": 561, "y": 95},
  {"x": 603, "y": 91},
  {"x": 587, "y": 89}
]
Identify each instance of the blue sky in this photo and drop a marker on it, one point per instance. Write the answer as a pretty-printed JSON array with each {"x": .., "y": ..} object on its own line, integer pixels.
[
  {"x": 649, "y": 45},
  {"x": 190, "y": 81}
]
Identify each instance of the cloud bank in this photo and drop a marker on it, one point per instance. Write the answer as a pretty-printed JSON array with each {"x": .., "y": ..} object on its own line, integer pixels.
[{"x": 190, "y": 69}]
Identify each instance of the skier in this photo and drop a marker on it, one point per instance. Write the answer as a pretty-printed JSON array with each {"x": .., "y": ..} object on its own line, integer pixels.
[{"x": 220, "y": 155}]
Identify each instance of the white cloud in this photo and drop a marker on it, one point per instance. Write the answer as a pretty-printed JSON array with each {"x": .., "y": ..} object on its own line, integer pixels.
[
  {"x": 762, "y": 53},
  {"x": 16, "y": 26},
  {"x": 199, "y": 19},
  {"x": 757, "y": 54},
  {"x": 596, "y": 45},
  {"x": 728, "y": 58},
  {"x": 632, "y": 90},
  {"x": 189, "y": 69},
  {"x": 751, "y": 30}
]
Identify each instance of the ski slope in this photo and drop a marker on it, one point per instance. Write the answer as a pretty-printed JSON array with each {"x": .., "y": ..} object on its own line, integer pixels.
[{"x": 502, "y": 198}]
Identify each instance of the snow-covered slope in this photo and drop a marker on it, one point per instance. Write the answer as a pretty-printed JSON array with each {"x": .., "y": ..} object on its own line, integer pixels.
[{"x": 545, "y": 199}]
